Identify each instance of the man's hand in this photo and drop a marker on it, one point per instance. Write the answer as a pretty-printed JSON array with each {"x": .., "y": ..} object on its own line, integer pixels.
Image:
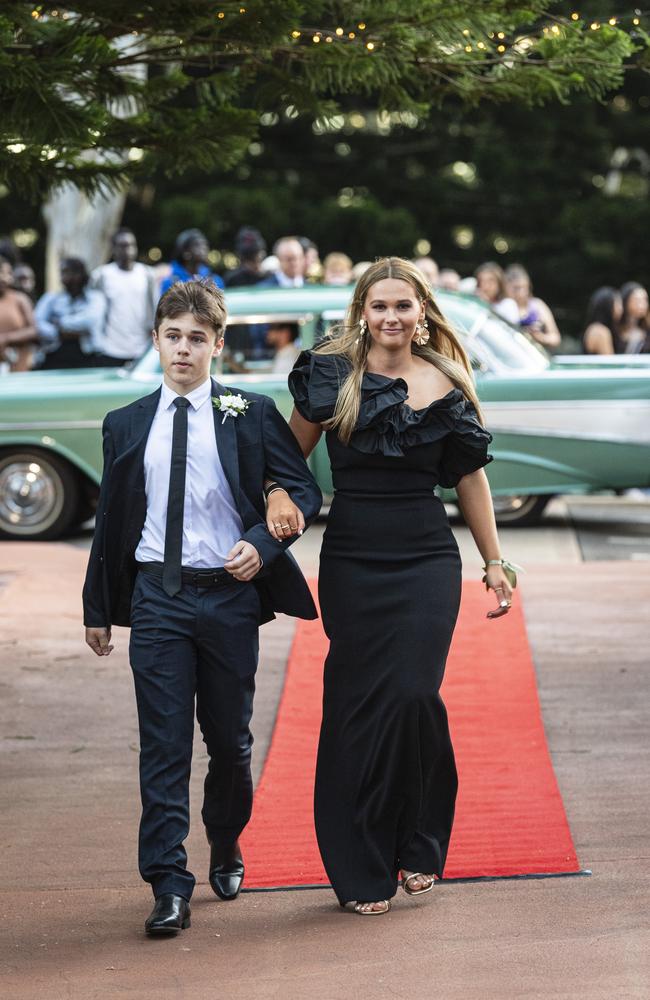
[
  {"x": 283, "y": 518},
  {"x": 244, "y": 561},
  {"x": 99, "y": 640}
]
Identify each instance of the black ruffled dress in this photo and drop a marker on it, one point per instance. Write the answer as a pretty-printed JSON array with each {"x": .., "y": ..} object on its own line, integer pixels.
[{"x": 389, "y": 587}]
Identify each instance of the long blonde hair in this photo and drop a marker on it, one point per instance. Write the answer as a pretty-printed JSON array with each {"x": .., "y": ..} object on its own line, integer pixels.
[{"x": 444, "y": 350}]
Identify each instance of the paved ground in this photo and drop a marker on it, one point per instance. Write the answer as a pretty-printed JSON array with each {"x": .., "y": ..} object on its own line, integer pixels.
[{"x": 72, "y": 903}]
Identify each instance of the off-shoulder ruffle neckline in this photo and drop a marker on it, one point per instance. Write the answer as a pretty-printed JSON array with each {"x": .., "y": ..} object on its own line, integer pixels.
[
  {"x": 402, "y": 385},
  {"x": 386, "y": 423},
  {"x": 372, "y": 382}
]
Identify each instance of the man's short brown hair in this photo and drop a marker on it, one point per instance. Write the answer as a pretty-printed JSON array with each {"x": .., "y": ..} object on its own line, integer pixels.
[{"x": 201, "y": 297}]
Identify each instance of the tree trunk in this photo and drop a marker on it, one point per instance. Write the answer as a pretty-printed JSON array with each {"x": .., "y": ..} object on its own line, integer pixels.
[{"x": 79, "y": 226}]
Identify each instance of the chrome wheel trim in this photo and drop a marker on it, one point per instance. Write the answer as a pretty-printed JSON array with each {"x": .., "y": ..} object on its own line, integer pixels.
[
  {"x": 32, "y": 494},
  {"x": 517, "y": 503}
]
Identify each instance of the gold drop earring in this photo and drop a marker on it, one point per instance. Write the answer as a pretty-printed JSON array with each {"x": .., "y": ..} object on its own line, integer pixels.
[{"x": 421, "y": 335}]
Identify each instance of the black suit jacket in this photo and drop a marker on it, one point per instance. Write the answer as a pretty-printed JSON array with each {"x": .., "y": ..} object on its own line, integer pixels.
[{"x": 251, "y": 447}]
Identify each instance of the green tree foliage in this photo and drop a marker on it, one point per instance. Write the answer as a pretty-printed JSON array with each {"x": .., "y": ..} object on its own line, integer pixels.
[
  {"x": 104, "y": 92},
  {"x": 563, "y": 189}
]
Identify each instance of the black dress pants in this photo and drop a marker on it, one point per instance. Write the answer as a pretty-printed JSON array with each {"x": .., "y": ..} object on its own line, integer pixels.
[{"x": 197, "y": 648}]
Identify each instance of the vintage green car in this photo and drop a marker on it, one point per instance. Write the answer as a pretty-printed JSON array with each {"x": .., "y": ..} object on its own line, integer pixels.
[{"x": 559, "y": 427}]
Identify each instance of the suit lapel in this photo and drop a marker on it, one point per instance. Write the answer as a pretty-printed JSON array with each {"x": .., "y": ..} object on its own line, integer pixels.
[
  {"x": 226, "y": 436},
  {"x": 141, "y": 420}
]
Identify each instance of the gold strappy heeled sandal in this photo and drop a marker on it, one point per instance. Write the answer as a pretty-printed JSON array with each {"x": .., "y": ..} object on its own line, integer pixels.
[
  {"x": 358, "y": 908},
  {"x": 407, "y": 879}
]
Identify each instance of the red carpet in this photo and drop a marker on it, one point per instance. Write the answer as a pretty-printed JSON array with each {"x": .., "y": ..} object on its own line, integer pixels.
[{"x": 510, "y": 819}]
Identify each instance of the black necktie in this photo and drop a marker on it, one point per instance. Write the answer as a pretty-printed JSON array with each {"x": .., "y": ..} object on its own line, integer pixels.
[{"x": 171, "y": 579}]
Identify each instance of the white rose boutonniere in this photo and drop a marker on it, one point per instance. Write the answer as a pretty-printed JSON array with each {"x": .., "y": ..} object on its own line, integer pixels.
[{"x": 231, "y": 405}]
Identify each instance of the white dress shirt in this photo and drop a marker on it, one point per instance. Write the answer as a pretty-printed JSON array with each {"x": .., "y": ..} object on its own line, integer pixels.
[
  {"x": 284, "y": 281},
  {"x": 211, "y": 522},
  {"x": 131, "y": 296}
]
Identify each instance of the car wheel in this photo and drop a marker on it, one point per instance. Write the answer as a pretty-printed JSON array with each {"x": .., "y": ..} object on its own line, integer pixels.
[
  {"x": 519, "y": 510},
  {"x": 39, "y": 495}
]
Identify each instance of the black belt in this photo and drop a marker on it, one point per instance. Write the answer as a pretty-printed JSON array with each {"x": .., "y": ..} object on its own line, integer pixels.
[{"x": 215, "y": 578}]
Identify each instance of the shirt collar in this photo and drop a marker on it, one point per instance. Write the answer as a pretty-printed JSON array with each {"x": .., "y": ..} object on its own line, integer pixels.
[
  {"x": 286, "y": 282},
  {"x": 196, "y": 398}
]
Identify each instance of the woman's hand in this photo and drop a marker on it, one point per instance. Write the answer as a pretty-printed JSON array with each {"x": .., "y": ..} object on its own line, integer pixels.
[
  {"x": 283, "y": 518},
  {"x": 496, "y": 580}
]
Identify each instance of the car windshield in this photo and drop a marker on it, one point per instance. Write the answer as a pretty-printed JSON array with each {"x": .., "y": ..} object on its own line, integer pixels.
[
  {"x": 260, "y": 344},
  {"x": 255, "y": 345},
  {"x": 498, "y": 347}
]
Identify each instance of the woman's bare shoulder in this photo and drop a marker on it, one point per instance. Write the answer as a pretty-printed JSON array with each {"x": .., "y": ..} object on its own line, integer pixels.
[{"x": 598, "y": 339}]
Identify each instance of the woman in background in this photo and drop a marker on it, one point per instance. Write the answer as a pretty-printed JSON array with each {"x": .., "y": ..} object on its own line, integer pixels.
[
  {"x": 602, "y": 322},
  {"x": 491, "y": 287},
  {"x": 17, "y": 326},
  {"x": 634, "y": 323},
  {"x": 535, "y": 317}
]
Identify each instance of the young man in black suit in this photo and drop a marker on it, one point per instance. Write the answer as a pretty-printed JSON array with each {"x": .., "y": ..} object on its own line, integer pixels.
[{"x": 182, "y": 554}]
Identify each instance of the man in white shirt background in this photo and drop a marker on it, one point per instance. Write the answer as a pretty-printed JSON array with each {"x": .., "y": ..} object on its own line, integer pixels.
[
  {"x": 131, "y": 293},
  {"x": 291, "y": 260}
]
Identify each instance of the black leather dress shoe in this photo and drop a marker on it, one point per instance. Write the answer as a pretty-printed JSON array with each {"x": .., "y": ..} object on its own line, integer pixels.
[
  {"x": 226, "y": 871},
  {"x": 170, "y": 914}
]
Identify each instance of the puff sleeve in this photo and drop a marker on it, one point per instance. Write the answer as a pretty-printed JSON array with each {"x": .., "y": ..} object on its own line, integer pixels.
[
  {"x": 465, "y": 448},
  {"x": 315, "y": 382}
]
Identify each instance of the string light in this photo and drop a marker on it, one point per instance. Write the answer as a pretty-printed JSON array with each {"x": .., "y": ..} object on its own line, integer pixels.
[
  {"x": 221, "y": 15},
  {"x": 242, "y": 10},
  {"x": 469, "y": 47}
]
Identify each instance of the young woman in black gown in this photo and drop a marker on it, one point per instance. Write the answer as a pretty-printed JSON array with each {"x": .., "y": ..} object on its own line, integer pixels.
[{"x": 392, "y": 388}]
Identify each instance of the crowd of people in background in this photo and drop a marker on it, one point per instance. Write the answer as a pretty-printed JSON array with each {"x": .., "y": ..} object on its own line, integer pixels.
[
  {"x": 618, "y": 320},
  {"x": 104, "y": 318}
]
